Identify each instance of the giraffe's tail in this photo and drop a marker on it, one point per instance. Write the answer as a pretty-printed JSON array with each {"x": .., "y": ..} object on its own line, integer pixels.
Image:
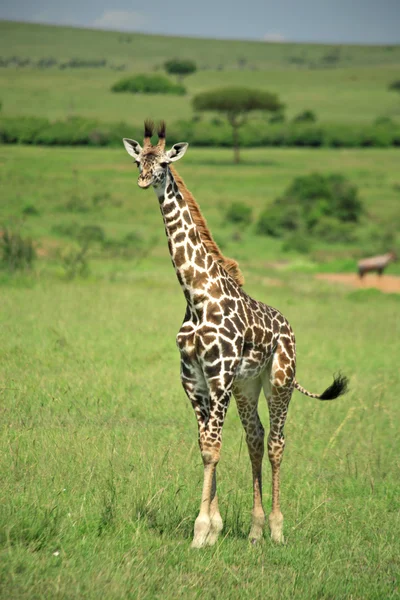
[{"x": 338, "y": 388}]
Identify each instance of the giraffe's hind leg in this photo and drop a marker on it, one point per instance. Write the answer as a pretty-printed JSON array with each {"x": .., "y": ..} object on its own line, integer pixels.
[
  {"x": 246, "y": 394},
  {"x": 278, "y": 388}
]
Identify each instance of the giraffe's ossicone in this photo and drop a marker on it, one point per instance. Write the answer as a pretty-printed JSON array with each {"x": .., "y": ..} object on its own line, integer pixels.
[{"x": 229, "y": 343}]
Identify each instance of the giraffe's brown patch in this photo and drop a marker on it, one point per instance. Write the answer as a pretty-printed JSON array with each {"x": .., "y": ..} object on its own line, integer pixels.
[
  {"x": 279, "y": 376},
  {"x": 275, "y": 326},
  {"x": 192, "y": 236},
  {"x": 214, "y": 291},
  {"x": 258, "y": 335},
  {"x": 229, "y": 328},
  {"x": 200, "y": 262},
  {"x": 226, "y": 347},
  {"x": 199, "y": 280},
  {"x": 285, "y": 329},
  {"x": 179, "y": 256},
  {"x": 284, "y": 360},
  {"x": 191, "y": 253},
  {"x": 188, "y": 274},
  {"x": 187, "y": 217},
  {"x": 213, "y": 313},
  {"x": 287, "y": 344},
  {"x": 212, "y": 354},
  {"x": 180, "y": 237},
  {"x": 168, "y": 208},
  {"x": 229, "y": 306}
]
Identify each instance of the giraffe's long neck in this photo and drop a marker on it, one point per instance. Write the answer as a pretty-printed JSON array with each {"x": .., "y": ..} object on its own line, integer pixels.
[{"x": 194, "y": 265}]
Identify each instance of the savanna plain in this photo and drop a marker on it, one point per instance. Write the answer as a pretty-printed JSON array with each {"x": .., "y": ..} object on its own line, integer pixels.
[{"x": 100, "y": 469}]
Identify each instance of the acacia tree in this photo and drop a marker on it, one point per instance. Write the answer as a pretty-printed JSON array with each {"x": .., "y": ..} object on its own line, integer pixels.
[
  {"x": 236, "y": 103},
  {"x": 180, "y": 68}
]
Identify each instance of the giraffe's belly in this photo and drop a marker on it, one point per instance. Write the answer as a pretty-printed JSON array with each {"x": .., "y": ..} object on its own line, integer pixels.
[{"x": 252, "y": 364}]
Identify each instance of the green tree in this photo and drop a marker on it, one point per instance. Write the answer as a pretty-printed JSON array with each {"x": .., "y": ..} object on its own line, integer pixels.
[
  {"x": 181, "y": 68},
  {"x": 236, "y": 104},
  {"x": 395, "y": 85},
  {"x": 321, "y": 206}
]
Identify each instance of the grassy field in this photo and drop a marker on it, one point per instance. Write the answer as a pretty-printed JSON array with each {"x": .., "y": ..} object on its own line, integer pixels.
[
  {"x": 100, "y": 470},
  {"x": 351, "y": 89},
  {"x": 70, "y": 188},
  {"x": 101, "y": 474}
]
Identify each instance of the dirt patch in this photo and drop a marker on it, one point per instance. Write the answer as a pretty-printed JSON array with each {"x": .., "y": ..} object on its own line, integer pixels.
[{"x": 390, "y": 284}]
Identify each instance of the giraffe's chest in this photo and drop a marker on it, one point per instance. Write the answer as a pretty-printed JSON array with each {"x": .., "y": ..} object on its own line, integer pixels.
[{"x": 186, "y": 340}]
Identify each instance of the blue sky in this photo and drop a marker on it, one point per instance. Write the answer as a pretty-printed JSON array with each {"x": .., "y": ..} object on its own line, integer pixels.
[{"x": 330, "y": 21}]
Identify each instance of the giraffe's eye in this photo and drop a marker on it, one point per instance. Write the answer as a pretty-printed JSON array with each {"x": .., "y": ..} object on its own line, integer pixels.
[
  {"x": 137, "y": 162},
  {"x": 163, "y": 165}
]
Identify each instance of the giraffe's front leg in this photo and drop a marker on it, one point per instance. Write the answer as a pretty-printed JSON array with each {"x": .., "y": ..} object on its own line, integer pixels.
[
  {"x": 209, "y": 522},
  {"x": 210, "y": 445}
]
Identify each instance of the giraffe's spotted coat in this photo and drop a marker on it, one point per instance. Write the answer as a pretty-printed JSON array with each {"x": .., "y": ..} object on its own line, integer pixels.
[{"x": 229, "y": 344}]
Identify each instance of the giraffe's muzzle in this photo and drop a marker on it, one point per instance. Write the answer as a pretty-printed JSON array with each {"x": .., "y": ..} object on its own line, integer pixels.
[{"x": 144, "y": 184}]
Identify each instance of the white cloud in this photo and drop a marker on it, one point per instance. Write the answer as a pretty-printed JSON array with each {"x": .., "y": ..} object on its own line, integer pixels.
[
  {"x": 274, "y": 36},
  {"x": 120, "y": 20}
]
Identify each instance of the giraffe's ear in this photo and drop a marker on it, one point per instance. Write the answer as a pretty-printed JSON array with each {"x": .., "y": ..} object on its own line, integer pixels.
[
  {"x": 177, "y": 151},
  {"x": 133, "y": 148}
]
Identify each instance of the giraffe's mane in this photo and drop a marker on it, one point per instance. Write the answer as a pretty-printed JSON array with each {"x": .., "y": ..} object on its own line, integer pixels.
[{"x": 230, "y": 265}]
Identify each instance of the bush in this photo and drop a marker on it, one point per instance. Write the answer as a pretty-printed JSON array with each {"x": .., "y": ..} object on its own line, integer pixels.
[
  {"x": 384, "y": 121},
  {"x": 238, "y": 212},
  {"x": 89, "y": 234},
  {"x": 30, "y": 210},
  {"x": 395, "y": 85},
  {"x": 18, "y": 253},
  {"x": 297, "y": 242},
  {"x": 214, "y": 132},
  {"x": 148, "y": 84},
  {"x": 278, "y": 117},
  {"x": 181, "y": 68},
  {"x": 307, "y": 116},
  {"x": 323, "y": 206},
  {"x": 333, "y": 231},
  {"x": 74, "y": 261},
  {"x": 21, "y": 130}
]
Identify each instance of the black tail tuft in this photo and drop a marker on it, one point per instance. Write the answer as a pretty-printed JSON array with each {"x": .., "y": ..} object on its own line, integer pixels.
[{"x": 338, "y": 388}]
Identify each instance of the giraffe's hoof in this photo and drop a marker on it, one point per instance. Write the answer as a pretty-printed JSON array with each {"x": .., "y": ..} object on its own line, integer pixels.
[
  {"x": 215, "y": 529},
  {"x": 255, "y": 537},
  {"x": 276, "y": 527},
  {"x": 277, "y": 538},
  {"x": 257, "y": 528},
  {"x": 199, "y": 543},
  {"x": 202, "y": 528}
]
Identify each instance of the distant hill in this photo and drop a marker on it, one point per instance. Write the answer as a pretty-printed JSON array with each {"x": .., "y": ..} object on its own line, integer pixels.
[
  {"x": 138, "y": 51},
  {"x": 55, "y": 72}
]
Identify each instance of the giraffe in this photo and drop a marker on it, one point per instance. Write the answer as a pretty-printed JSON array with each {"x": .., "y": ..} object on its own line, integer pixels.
[{"x": 229, "y": 343}]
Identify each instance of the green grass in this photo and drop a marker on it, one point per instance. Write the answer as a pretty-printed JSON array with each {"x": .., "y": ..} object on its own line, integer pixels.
[
  {"x": 100, "y": 469},
  {"x": 101, "y": 474},
  {"x": 64, "y": 185},
  {"x": 354, "y": 91}
]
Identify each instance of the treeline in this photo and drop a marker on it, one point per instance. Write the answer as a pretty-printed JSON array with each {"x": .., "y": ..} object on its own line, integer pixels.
[
  {"x": 78, "y": 131},
  {"x": 50, "y": 62}
]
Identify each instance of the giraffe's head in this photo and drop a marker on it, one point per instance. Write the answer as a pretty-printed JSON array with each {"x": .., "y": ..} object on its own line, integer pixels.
[{"x": 152, "y": 160}]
